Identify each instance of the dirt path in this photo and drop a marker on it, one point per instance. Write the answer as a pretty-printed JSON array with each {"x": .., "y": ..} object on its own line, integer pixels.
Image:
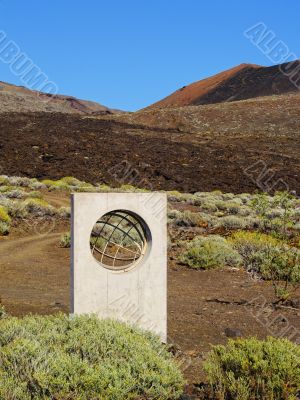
[
  {"x": 57, "y": 199},
  {"x": 34, "y": 274}
]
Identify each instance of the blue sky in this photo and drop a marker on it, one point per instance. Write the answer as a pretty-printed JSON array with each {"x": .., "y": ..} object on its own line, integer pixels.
[{"x": 129, "y": 54}]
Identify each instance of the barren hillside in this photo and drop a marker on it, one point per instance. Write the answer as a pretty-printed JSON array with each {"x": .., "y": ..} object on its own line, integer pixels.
[
  {"x": 19, "y": 99},
  {"x": 189, "y": 148},
  {"x": 239, "y": 83}
]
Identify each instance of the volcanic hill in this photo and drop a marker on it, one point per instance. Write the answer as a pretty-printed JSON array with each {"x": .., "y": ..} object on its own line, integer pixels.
[
  {"x": 248, "y": 140},
  {"x": 239, "y": 83}
]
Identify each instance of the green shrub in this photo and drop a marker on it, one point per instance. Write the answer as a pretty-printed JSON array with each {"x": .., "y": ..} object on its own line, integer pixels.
[
  {"x": 65, "y": 240},
  {"x": 4, "y": 217},
  {"x": 128, "y": 188},
  {"x": 64, "y": 212},
  {"x": 174, "y": 193},
  {"x": 19, "y": 181},
  {"x": 5, "y": 189},
  {"x": 3, "y": 312},
  {"x": 81, "y": 357},
  {"x": 56, "y": 185},
  {"x": 255, "y": 248},
  {"x": 228, "y": 196},
  {"x": 271, "y": 258},
  {"x": 104, "y": 188},
  {"x": 3, "y": 180},
  {"x": 36, "y": 185},
  {"x": 17, "y": 209},
  {"x": 39, "y": 207},
  {"x": 210, "y": 252},
  {"x": 48, "y": 182},
  {"x": 4, "y": 228},
  {"x": 250, "y": 369},
  {"x": 70, "y": 180},
  {"x": 232, "y": 222},
  {"x": 233, "y": 208},
  {"x": 34, "y": 194},
  {"x": 185, "y": 218},
  {"x": 209, "y": 206},
  {"x": 59, "y": 185},
  {"x": 276, "y": 213},
  {"x": 15, "y": 194}
]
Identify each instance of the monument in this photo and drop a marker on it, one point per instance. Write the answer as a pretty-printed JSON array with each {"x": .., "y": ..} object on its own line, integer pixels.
[{"x": 119, "y": 258}]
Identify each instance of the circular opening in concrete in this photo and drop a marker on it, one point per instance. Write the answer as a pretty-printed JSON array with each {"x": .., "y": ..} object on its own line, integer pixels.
[{"x": 120, "y": 240}]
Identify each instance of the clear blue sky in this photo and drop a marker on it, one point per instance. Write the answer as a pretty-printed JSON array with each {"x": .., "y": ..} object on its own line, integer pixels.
[{"x": 129, "y": 54}]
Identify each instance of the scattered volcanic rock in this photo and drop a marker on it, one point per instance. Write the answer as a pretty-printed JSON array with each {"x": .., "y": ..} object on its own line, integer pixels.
[
  {"x": 233, "y": 146},
  {"x": 232, "y": 333},
  {"x": 241, "y": 146}
]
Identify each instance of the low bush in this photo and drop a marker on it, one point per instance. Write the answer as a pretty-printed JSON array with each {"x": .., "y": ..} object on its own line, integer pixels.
[
  {"x": 17, "y": 209},
  {"x": 39, "y": 207},
  {"x": 4, "y": 228},
  {"x": 59, "y": 357},
  {"x": 255, "y": 248},
  {"x": 210, "y": 252},
  {"x": 36, "y": 185},
  {"x": 56, "y": 185},
  {"x": 3, "y": 312},
  {"x": 70, "y": 180},
  {"x": 64, "y": 212},
  {"x": 48, "y": 182},
  {"x": 185, "y": 218},
  {"x": 209, "y": 206},
  {"x": 19, "y": 181},
  {"x": 65, "y": 240},
  {"x": 128, "y": 188},
  {"x": 4, "y": 189},
  {"x": 233, "y": 208},
  {"x": 3, "y": 180},
  {"x": 35, "y": 194},
  {"x": 251, "y": 369},
  {"x": 232, "y": 222},
  {"x": 276, "y": 213},
  {"x": 174, "y": 193},
  {"x": 270, "y": 258},
  {"x": 4, "y": 217},
  {"x": 15, "y": 194}
]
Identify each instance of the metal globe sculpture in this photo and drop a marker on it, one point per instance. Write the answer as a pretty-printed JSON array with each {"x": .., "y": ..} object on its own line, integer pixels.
[{"x": 119, "y": 240}]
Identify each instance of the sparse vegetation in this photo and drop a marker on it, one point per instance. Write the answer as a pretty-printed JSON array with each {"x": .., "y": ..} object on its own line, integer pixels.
[
  {"x": 278, "y": 214},
  {"x": 232, "y": 222},
  {"x": 3, "y": 312},
  {"x": 4, "y": 217},
  {"x": 270, "y": 258},
  {"x": 251, "y": 369},
  {"x": 209, "y": 252},
  {"x": 185, "y": 219},
  {"x": 47, "y": 357},
  {"x": 65, "y": 240},
  {"x": 4, "y": 228},
  {"x": 208, "y": 230}
]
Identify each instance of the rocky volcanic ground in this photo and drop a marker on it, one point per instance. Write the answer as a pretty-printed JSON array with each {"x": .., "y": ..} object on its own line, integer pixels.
[{"x": 240, "y": 146}]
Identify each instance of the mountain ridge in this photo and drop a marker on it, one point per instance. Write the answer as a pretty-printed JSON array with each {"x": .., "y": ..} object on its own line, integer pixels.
[
  {"x": 14, "y": 98},
  {"x": 242, "y": 82}
]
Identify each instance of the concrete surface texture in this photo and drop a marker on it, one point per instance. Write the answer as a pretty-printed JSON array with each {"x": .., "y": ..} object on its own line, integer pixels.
[{"x": 137, "y": 295}]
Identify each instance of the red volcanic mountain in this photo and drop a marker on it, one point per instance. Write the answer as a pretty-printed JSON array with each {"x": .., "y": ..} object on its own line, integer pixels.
[
  {"x": 20, "y": 99},
  {"x": 239, "y": 83}
]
